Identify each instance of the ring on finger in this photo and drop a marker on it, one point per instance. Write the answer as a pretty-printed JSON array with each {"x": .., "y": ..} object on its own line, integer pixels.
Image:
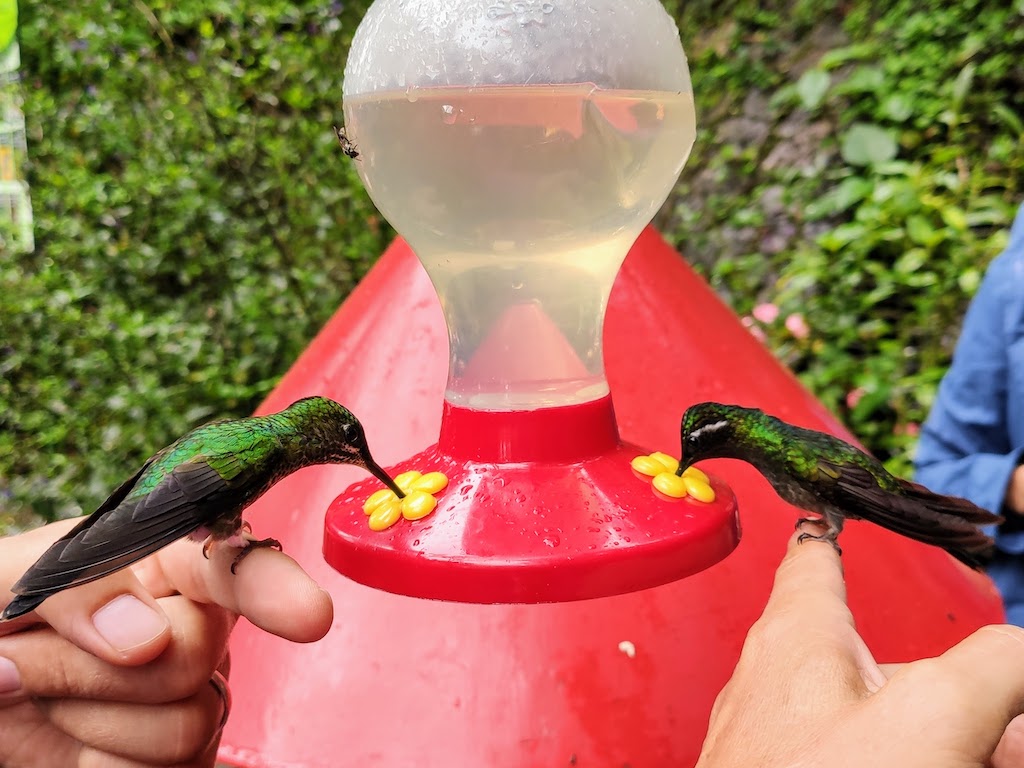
[{"x": 220, "y": 685}]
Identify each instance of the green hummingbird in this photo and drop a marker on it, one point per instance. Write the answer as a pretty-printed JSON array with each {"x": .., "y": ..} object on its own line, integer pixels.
[
  {"x": 829, "y": 477},
  {"x": 198, "y": 486}
]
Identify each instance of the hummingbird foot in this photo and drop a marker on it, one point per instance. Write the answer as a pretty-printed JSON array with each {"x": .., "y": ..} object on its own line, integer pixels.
[
  {"x": 827, "y": 519},
  {"x": 251, "y": 543},
  {"x": 833, "y": 525},
  {"x": 829, "y": 538}
]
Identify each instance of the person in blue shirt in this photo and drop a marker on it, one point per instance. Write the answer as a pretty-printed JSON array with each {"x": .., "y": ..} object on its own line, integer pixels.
[{"x": 972, "y": 443}]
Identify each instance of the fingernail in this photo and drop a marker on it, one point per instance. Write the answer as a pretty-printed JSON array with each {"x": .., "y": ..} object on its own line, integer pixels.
[
  {"x": 10, "y": 680},
  {"x": 126, "y": 622}
]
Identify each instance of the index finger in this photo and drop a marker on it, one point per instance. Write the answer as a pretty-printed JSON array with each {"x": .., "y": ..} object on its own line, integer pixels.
[
  {"x": 113, "y": 617},
  {"x": 807, "y": 630},
  {"x": 809, "y": 583},
  {"x": 270, "y": 589}
]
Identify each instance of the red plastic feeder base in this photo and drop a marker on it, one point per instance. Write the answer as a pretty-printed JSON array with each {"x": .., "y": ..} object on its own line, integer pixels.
[{"x": 541, "y": 506}]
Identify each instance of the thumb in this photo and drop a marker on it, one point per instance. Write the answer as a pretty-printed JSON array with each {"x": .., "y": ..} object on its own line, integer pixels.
[
  {"x": 114, "y": 618},
  {"x": 270, "y": 589},
  {"x": 978, "y": 684}
]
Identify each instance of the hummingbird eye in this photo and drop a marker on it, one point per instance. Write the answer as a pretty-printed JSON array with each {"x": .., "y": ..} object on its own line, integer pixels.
[{"x": 353, "y": 434}]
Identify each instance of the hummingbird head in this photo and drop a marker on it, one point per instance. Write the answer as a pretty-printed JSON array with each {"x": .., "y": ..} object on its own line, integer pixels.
[
  {"x": 341, "y": 437},
  {"x": 706, "y": 433}
]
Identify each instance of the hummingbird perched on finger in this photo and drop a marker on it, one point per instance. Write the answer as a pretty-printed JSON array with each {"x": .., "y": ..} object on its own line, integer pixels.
[
  {"x": 829, "y": 477},
  {"x": 198, "y": 486}
]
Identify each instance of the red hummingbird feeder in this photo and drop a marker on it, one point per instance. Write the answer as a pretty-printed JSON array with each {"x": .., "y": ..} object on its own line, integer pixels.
[
  {"x": 520, "y": 177},
  {"x": 579, "y": 617}
]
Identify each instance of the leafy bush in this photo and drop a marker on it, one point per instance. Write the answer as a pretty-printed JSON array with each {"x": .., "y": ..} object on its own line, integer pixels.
[
  {"x": 196, "y": 223},
  {"x": 875, "y": 176}
]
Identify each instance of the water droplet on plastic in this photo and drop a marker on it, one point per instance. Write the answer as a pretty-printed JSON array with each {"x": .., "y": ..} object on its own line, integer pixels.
[
  {"x": 552, "y": 541},
  {"x": 416, "y": 543},
  {"x": 412, "y": 93},
  {"x": 448, "y": 114}
]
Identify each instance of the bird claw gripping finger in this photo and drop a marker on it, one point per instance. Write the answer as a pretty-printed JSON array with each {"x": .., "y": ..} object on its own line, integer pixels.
[
  {"x": 825, "y": 537},
  {"x": 250, "y": 546},
  {"x": 812, "y": 520}
]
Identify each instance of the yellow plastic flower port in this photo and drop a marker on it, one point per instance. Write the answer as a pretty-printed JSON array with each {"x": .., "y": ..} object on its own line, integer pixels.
[
  {"x": 661, "y": 468},
  {"x": 386, "y": 514},
  {"x": 418, "y": 504},
  {"x": 385, "y": 508},
  {"x": 669, "y": 484}
]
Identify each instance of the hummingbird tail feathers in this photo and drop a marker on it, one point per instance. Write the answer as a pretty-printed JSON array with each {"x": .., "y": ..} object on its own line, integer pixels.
[
  {"x": 950, "y": 505},
  {"x": 973, "y": 549},
  {"x": 943, "y": 521},
  {"x": 21, "y": 605}
]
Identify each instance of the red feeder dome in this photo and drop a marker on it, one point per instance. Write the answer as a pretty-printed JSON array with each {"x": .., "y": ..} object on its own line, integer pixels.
[{"x": 401, "y": 681}]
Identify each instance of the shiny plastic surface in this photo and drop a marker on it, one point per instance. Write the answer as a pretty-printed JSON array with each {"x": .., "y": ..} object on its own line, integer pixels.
[
  {"x": 520, "y": 148},
  {"x": 432, "y": 43},
  {"x": 541, "y": 506},
  {"x": 406, "y": 682}
]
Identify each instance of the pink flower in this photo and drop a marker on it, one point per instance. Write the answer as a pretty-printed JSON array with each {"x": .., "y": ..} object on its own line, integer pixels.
[
  {"x": 854, "y": 395},
  {"x": 797, "y": 326},
  {"x": 765, "y": 313},
  {"x": 751, "y": 325}
]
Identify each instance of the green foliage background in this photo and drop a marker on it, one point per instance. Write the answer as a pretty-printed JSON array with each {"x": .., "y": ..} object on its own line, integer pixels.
[
  {"x": 891, "y": 165},
  {"x": 857, "y": 163}
]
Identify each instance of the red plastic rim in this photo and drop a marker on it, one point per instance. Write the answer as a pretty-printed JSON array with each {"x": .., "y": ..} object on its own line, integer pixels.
[
  {"x": 544, "y": 508},
  {"x": 563, "y": 433}
]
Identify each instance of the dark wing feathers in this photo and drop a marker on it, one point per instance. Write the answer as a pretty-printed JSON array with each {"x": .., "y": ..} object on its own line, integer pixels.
[
  {"x": 119, "y": 494},
  {"x": 943, "y": 521},
  {"x": 56, "y": 550},
  {"x": 950, "y": 505},
  {"x": 116, "y": 537}
]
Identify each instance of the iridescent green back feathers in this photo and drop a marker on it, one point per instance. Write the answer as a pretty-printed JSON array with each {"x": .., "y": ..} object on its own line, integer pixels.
[
  {"x": 198, "y": 486},
  {"x": 823, "y": 474}
]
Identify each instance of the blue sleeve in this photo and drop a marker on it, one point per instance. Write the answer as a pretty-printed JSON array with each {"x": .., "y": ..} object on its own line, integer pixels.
[{"x": 967, "y": 445}]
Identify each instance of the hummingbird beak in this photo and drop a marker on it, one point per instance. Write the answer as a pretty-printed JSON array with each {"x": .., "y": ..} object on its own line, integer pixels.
[
  {"x": 684, "y": 461},
  {"x": 377, "y": 471}
]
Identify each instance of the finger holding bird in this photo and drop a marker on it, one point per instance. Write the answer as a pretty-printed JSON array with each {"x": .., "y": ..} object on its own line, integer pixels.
[{"x": 197, "y": 487}]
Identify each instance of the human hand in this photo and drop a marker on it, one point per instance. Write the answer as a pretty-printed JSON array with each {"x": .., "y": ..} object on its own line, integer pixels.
[
  {"x": 118, "y": 672},
  {"x": 807, "y": 693}
]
